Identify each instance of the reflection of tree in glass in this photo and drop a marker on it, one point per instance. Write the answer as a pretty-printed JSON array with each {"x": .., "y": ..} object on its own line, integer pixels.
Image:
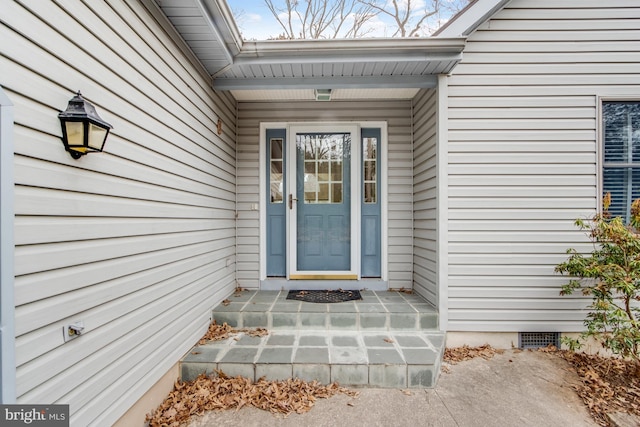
[
  {"x": 369, "y": 156},
  {"x": 276, "y": 170},
  {"x": 323, "y": 165},
  {"x": 622, "y": 131}
]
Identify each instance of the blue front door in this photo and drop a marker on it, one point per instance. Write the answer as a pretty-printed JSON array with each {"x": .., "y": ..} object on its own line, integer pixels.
[{"x": 323, "y": 199}]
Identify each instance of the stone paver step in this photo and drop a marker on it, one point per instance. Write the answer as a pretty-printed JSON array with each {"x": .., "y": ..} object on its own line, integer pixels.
[
  {"x": 387, "y": 339},
  {"x": 390, "y": 359},
  {"x": 378, "y": 310}
]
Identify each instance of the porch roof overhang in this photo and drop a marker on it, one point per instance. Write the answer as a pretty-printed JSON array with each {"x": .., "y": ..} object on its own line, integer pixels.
[
  {"x": 332, "y": 64},
  {"x": 209, "y": 30}
]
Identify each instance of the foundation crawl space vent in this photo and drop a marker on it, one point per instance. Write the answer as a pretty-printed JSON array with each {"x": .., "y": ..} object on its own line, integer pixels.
[{"x": 538, "y": 339}]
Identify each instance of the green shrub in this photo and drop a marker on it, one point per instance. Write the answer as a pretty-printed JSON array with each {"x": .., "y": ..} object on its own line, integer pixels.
[{"x": 610, "y": 274}]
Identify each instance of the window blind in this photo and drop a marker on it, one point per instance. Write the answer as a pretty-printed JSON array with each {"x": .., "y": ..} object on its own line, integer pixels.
[{"x": 621, "y": 172}]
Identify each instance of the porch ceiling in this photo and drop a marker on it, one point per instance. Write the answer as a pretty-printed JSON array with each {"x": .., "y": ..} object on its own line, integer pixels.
[{"x": 275, "y": 68}]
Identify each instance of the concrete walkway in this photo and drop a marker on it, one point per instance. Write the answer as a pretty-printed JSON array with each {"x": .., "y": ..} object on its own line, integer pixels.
[{"x": 527, "y": 388}]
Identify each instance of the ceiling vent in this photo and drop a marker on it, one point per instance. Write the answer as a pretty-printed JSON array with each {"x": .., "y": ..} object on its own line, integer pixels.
[{"x": 323, "y": 94}]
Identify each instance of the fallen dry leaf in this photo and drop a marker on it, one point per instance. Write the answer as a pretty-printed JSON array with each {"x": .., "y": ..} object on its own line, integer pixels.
[
  {"x": 406, "y": 392},
  {"x": 221, "y": 332},
  {"x": 222, "y": 392},
  {"x": 389, "y": 340},
  {"x": 607, "y": 384},
  {"x": 460, "y": 354}
]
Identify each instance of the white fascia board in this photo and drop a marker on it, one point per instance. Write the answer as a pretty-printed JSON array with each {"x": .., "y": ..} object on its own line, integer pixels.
[
  {"x": 361, "y": 57},
  {"x": 286, "y": 51},
  {"x": 326, "y": 82},
  {"x": 220, "y": 19},
  {"x": 470, "y": 18}
]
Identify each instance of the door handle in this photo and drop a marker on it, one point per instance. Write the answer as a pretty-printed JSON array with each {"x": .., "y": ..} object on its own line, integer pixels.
[{"x": 291, "y": 199}]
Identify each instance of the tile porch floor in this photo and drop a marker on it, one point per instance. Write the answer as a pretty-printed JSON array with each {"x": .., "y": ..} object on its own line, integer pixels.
[{"x": 387, "y": 339}]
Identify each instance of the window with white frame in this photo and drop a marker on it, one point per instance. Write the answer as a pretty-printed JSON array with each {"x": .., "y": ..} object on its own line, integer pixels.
[{"x": 621, "y": 167}]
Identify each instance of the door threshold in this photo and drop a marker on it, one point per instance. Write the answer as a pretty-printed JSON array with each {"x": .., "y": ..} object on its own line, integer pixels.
[
  {"x": 280, "y": 283},
  {"x": 323, "y": 277}
]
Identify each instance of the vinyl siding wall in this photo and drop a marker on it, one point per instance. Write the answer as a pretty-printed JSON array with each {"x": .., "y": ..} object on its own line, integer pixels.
[
  {"x": 425, "y": 195},
  {"x": 400, "y": 228},
  {"x": 523, "y": 155},
  {"x": 137, "y": 242}
]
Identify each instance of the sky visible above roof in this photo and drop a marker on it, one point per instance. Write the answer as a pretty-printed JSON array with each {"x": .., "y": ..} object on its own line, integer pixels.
[{"x": 256, "y": 22}]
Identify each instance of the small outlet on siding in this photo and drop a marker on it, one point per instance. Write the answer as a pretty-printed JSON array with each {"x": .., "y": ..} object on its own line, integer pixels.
[{"x": 72, "y": 330}]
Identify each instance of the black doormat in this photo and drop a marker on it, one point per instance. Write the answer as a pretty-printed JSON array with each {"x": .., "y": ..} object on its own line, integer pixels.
[{"x": 324, "y": 296}]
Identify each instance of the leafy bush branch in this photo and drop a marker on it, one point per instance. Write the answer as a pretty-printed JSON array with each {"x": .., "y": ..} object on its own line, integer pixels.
[{"x": 610, "y": 274}]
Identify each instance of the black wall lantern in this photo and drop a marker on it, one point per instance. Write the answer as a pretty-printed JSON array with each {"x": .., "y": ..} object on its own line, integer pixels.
[{"x": 83, "y": 131}]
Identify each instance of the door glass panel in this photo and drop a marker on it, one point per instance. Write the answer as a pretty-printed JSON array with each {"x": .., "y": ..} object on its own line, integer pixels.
[
  {"x": 276, "y": 148},
  {"x": 323, "y": 165},
  {"x": 336, "y": 171},
  {"x": 276, "y": 181},
  {"x": 336, "y": 193},
  {"x": 370, "y": 159},
  {"x": 323, "y": 193}
]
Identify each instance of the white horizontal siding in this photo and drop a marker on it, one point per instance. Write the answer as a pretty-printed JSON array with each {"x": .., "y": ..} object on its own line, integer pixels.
[
  {"x": 523, "y": 155},
  {"x": 398, "y": 116},
  {"x": 139, "y": 241},
  {"x": 424, "y": 195}
]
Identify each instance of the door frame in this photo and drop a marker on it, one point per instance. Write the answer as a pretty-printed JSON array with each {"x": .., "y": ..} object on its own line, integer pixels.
[{"x": 261, "y": 208}]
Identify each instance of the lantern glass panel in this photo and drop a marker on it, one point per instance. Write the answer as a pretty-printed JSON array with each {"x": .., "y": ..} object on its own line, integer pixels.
[
  {"x": 75, "y": 134},
  {"x": 96, "y": 136}
]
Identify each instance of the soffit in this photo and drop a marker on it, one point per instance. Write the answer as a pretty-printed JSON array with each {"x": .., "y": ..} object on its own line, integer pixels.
[
  {"x": 261, "y": 68},
  {"x": 360, "y": 63},
  {"x": 336, "y": 94},
  {"x": 208, "y": 29}
]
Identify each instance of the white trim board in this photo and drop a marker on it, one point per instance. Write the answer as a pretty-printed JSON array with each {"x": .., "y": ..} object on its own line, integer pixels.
[
  {"x": 384, "y": 195},
  {"x": 7, "y": 308},
  {"x": 442, "y": 211},
  {"x": 470, "y": 18}
]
